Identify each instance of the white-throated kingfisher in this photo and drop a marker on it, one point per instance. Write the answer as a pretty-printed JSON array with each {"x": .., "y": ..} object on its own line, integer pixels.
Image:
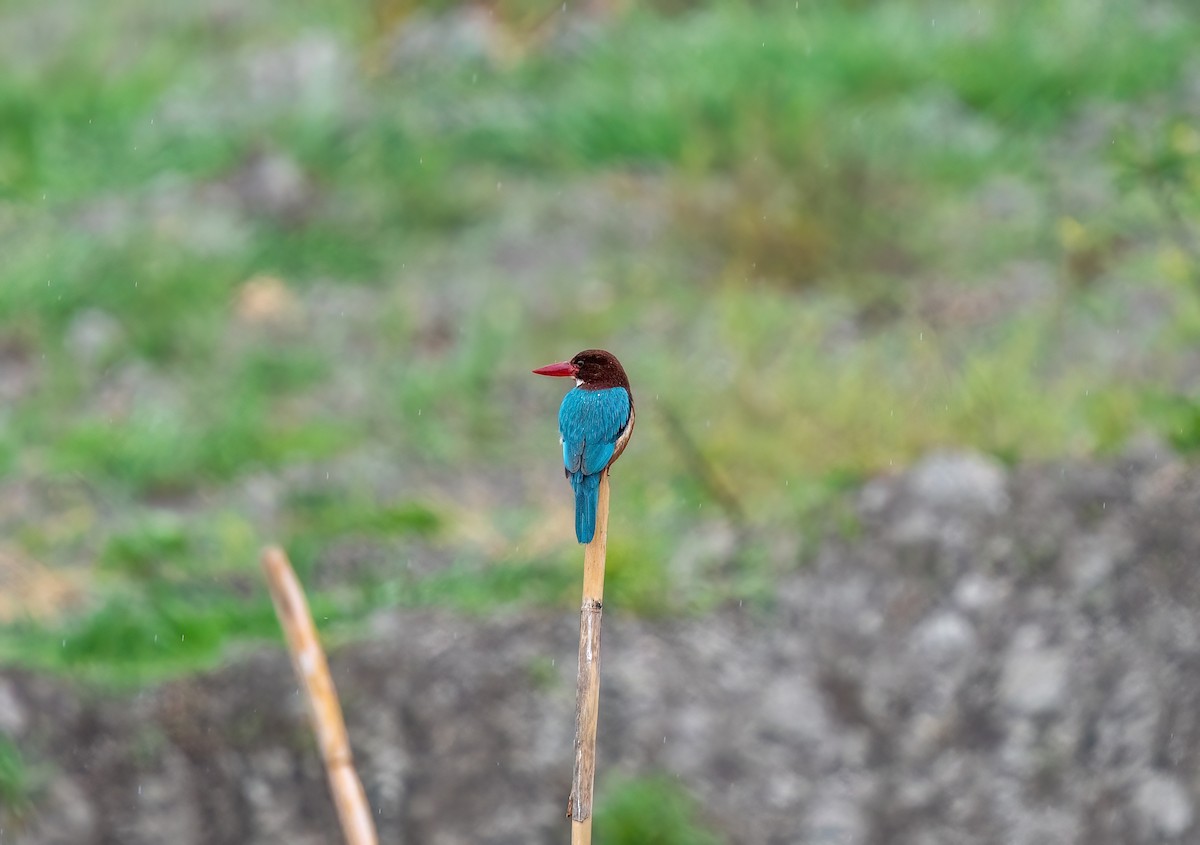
[{"x": 594, "y": 423}]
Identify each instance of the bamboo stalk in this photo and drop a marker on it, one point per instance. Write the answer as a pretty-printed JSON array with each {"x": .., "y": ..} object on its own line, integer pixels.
[
  {"x": 587, "y": 693},
  {"x": 308, "y": 659}
]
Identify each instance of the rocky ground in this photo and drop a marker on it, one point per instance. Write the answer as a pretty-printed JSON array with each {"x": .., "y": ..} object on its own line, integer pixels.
[{"x": 989, "y": 656}]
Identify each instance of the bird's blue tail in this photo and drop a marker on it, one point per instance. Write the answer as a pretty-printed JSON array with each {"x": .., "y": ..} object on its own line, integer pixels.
[{"x": 587, "y": 495}]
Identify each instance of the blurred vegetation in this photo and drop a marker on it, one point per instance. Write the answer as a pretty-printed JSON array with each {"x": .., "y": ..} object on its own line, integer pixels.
[
  {"x": 281, "y": 273},
  {"x": 17, "y": 784},
  {"x": 649, "y": 811}
]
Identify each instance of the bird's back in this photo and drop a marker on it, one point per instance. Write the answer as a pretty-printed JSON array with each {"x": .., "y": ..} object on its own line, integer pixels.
[{"x": 591, "y": 422}]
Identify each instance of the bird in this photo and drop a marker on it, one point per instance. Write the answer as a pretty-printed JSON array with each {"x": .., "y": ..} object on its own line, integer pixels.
[{"x": 595, "y": 422}]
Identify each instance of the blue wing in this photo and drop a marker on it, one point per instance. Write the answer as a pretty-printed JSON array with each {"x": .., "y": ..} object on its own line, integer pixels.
[{"x": 590, "y": 422}]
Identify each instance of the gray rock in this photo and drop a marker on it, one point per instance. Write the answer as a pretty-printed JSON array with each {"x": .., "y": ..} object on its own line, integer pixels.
[
  {"x": 165, "y": 805},
  {"x": 1034, "y": 681},
  {"x": 1090, "y": 561},
  {"x": 19, "y": 372},
  {"x": 958, "y": 482},
  {"x": 1164, "y": 806},
  {"x": 1026, "y": 694},
  {"x": 313, "y": 74},
  {"x": 469, "y": 33},
  {"x": 272, "y": 184},
  {"x": 835, "y": 819},
  {"x": 876, "y": 495},
  {"x": 65, "y": 815},
  {"x": 12, "y": 713},
  {"x": 791, "y": 708},
  {"x": 702, "y": 549},
  {"x": 91, "y": 335},
  {"x": 978, "y": 593},
  {"x": 944, "y": 637},
  {"x": 202, "y": 219}
]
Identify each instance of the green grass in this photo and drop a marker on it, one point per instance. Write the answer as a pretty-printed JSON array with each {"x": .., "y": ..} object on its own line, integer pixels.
[
  {"x": 762, "y": 208},
  {"x": 17, "y": 783},
  {"x": 649, "y": 811},
  {"x": 178, "y": 625},
  {"x": 157, "y": 453}
]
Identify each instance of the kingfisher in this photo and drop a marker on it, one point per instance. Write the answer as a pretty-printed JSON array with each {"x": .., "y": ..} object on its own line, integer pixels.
[{"x": 594, "y": 424}]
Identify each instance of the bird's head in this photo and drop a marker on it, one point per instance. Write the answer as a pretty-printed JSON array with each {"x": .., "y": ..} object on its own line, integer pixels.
[{"x": 592, "y": 369}]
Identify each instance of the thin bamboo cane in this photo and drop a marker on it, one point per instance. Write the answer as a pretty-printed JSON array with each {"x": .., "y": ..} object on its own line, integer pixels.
[
  {"x": 308, "y": 659},
  {"x": 587, "y": 694}
]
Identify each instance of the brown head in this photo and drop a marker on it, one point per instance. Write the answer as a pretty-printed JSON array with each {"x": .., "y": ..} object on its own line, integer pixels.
[{"x": 593, "y": 369}]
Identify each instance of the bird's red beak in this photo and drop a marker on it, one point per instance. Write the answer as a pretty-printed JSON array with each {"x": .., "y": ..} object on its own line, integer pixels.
[{"x": 566, "y": 368}]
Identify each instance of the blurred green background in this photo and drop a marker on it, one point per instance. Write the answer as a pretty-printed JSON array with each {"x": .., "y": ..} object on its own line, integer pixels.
[{"x": 279, "y": 272}]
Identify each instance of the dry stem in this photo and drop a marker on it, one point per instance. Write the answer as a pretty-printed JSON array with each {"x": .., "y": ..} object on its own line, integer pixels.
[
  {"x": 308, "y": 659},
  {"x": 587, "y": 695}
]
